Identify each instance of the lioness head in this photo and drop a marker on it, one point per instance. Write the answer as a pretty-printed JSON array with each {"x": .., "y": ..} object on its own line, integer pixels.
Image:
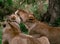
[
  {"x": 11, "y": 28},
  {"x": 24, "y": 16}
]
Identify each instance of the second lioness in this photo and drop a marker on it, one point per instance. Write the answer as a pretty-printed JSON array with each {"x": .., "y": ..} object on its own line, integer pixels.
[{"x": 38, "y": 29}]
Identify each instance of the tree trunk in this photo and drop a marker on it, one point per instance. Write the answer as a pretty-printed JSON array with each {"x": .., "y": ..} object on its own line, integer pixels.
[{"x": 53, "y": 11}]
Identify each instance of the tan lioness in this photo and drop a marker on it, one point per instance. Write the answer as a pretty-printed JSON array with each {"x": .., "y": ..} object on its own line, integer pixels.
[
  {"x": 37, "y": 28},
  {"x": 13, "y": 35},
  {"x": 8, "y": 32}
]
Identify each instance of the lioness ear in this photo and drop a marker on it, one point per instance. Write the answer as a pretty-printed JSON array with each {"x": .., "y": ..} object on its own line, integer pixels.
[
  {"x": 16, "y": 12},
  {"x": 13, "y": 17}
]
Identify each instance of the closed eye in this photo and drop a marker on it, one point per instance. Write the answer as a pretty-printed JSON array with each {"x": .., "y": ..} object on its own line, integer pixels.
[{"x": 31, "y": 19}]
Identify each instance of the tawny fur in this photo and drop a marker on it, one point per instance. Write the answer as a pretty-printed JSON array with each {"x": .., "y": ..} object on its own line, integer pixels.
[
  {"x": 8, "y": 32},
  {"x": 40, "y": 28},
  {"x": 13, "y": 35}
]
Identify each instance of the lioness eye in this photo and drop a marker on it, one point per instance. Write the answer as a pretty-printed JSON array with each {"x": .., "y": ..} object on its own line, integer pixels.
[
  {"x": 4, "y": 25},
  {"x": 30, "y": 19}
]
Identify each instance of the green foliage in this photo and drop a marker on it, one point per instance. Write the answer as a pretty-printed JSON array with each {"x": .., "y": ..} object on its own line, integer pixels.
[
  {"x": 11, "y": 5},
  {"x": 57, "y": 22},
  {"x": 30, "y": 1},
  {"x": 9, "y": 2},
  {"x": 6, "y": 8},
  {"x": 34, "y": 9},
  {"x": 45, "y": 6},
  {"x": 23, "y": 28},
  {"x": 0, "y": 35}
]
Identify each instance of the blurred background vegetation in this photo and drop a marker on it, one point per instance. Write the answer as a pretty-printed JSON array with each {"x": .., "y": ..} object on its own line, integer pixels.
[{"x": 36, "y": 7}]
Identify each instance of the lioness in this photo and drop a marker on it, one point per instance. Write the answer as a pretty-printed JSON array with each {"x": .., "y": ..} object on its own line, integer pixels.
[
  {"x": 38, "y": 29},
  {"x": 13, "y": 35}
]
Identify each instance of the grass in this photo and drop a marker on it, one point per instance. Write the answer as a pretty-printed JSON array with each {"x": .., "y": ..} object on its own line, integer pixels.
[
  {"x": 0, "y": 35},
  {"x": 23, "y": 28}
]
